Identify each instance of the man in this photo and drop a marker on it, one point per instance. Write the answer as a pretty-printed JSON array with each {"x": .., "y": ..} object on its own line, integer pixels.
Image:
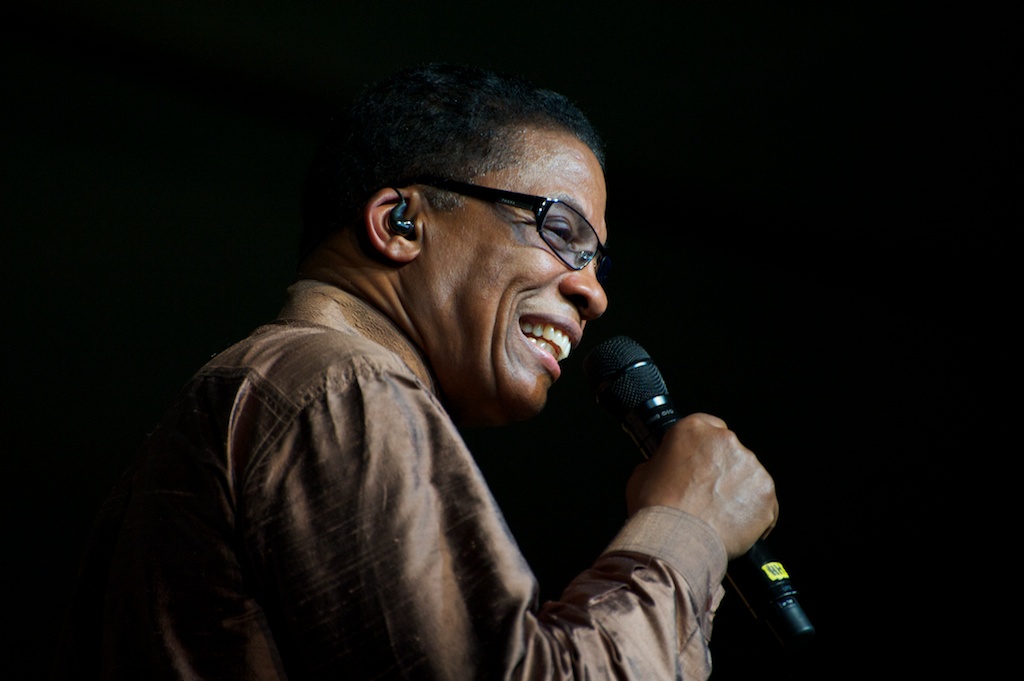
[{"x": 307, "y": 508}]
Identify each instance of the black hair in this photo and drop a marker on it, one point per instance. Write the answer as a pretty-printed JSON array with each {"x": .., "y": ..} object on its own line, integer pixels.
[{"x": 439, "y": 119}]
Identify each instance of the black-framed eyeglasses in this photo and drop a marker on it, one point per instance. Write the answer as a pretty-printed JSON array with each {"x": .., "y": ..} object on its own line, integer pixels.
[{"x": 568, "y": 234}]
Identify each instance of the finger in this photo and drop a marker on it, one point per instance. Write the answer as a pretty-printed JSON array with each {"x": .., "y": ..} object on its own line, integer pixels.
[
  {"x": 775, "y": 520},
  {"x": 713, "y": 421}
]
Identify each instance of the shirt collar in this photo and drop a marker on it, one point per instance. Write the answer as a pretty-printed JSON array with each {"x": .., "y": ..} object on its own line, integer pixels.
[{"x": 328, "y": 305}]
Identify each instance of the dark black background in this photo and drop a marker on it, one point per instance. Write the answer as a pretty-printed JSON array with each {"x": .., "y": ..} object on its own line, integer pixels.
[{"x": 797, "y": 196}]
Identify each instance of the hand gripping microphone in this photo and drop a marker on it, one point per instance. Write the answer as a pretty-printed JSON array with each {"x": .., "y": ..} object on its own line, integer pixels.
[{"x": 629, "y": 386}]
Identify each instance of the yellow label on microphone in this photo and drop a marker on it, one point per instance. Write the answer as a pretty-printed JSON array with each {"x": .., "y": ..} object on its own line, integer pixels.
[{"x": 775, "y": 571}]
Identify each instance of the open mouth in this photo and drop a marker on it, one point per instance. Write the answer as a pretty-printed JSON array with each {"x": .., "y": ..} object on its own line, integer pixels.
[{"x": 549, "y": 338}]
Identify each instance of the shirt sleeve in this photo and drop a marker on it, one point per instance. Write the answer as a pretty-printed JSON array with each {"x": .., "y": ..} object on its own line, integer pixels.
[
  {"x": 378, "y": 552},
  {"x": 652, "y": 594}
]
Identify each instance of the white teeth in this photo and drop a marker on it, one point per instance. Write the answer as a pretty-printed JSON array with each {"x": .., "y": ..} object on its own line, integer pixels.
[{"x": 545, "y": 335}]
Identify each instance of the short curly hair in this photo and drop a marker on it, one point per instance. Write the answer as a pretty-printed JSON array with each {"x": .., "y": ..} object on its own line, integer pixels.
[{"x": 438, "y": 119}]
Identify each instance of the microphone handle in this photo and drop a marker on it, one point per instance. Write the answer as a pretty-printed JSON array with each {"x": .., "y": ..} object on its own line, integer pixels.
[
  {"x": 764, "y": 586},
  {"x": 760, "y": 580}
]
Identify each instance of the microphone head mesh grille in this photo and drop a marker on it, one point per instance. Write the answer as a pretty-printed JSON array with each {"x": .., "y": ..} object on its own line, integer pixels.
[{"x": 622, "y": 375}]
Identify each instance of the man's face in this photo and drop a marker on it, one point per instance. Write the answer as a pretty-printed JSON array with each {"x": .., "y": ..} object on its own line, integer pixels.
[{"x": 496, "y": 286}]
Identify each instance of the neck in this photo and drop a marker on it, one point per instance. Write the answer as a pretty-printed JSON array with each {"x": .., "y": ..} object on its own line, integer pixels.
[{"x": 340, "y": 262}]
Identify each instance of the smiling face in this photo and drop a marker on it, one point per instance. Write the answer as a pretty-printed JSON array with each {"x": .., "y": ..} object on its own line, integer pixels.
[{"x": 500, "y": 308}]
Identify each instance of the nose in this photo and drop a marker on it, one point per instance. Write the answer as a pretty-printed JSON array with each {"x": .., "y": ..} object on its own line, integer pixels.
[{"x": 585, "y": 292}]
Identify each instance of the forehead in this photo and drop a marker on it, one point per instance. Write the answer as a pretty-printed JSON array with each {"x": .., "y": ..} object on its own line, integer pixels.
[{"x": 555, "y": 164}]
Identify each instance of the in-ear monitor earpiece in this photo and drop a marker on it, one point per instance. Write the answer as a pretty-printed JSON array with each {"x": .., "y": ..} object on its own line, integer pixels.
[{"x": 396, "y": 220}]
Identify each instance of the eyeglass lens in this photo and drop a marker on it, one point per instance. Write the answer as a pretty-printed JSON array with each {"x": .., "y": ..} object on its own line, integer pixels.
[{"x": 570, "y": 235}]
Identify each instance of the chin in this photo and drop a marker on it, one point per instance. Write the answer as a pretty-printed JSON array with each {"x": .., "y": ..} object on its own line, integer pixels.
[{"x": 480, "y": 413}]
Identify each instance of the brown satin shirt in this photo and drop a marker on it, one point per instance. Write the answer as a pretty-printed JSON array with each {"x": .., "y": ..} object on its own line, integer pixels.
[{"x": 307, "y": 510}]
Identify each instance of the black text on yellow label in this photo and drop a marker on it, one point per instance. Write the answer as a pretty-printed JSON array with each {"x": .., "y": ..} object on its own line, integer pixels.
[{"x": 775, "y": 571}]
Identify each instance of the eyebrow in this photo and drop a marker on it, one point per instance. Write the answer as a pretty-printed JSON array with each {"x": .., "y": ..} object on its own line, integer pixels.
[{"x": 568, "y": 200}]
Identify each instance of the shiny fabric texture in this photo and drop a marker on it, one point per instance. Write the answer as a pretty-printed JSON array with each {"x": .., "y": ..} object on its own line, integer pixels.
[{"x": 307, "y": 510}]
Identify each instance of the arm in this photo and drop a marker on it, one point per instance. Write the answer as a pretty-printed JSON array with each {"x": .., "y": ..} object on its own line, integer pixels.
[{"x": 377, "y": 549}]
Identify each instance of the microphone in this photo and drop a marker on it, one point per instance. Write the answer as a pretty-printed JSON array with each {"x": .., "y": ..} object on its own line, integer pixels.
[{"x": 629, "y": 386}]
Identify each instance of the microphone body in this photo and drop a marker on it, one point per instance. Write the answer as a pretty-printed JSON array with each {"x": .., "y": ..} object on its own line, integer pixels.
[{"x": 629, "y": 386}]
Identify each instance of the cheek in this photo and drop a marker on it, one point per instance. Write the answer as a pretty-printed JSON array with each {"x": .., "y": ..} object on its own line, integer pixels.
[{"x": 484, "y": 286}]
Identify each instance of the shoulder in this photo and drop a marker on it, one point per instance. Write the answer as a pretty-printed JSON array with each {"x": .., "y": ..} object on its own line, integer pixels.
[{"x": 297, "y": 358}]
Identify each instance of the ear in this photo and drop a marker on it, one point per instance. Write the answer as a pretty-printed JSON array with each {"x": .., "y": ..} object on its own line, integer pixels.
[{"x": 397, "y": 247}]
